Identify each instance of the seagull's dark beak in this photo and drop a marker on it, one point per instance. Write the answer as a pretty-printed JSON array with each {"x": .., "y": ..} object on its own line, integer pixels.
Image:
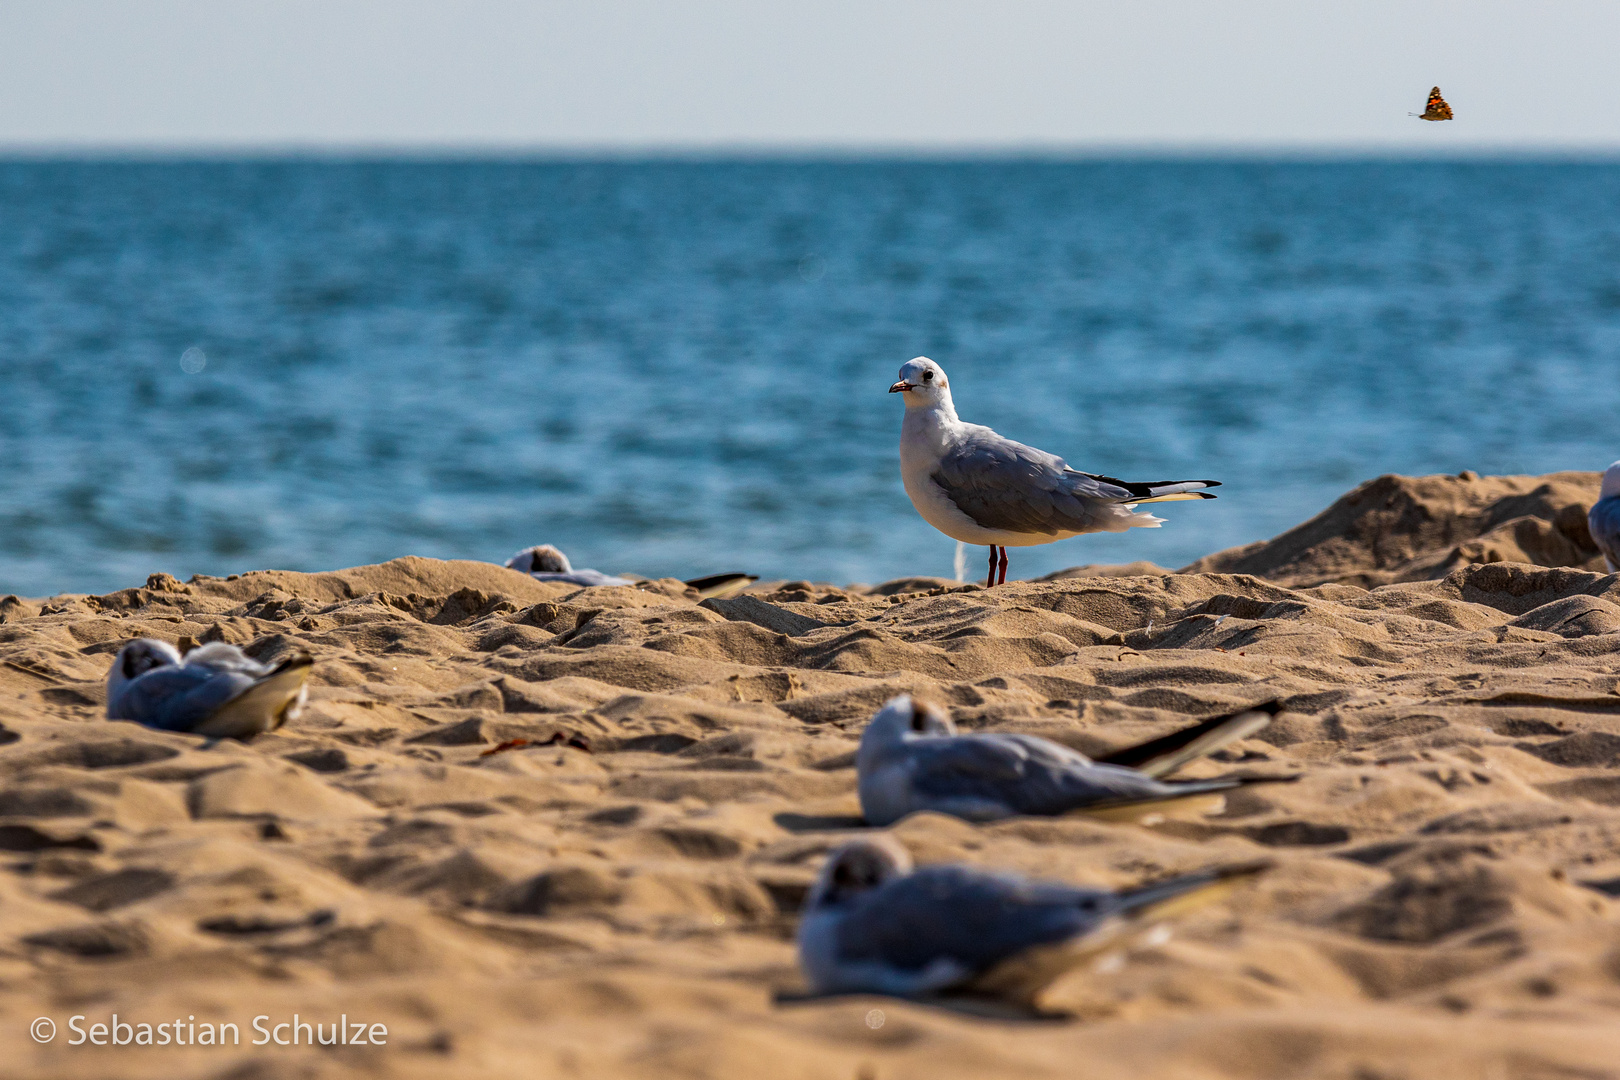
[{"x": 901, "y": 387}]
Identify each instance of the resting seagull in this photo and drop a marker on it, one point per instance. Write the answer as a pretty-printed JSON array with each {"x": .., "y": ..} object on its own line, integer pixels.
[
  {"x": 872, "y": 924},
  {"x": 215, "y": 690},
  {"x": 977, "y": 487},
  {"x": 545, "y": 563},
  {"x": 1604, "y": 518},
  {"x": 911, "y": 759}
]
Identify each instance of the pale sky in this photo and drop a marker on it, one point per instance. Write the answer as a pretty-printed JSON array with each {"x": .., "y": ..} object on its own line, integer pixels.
[{"x": 922, "y": 75}]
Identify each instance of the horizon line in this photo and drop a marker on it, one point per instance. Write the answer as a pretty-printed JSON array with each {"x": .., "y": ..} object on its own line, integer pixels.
[{"x": 791, "y": 153}]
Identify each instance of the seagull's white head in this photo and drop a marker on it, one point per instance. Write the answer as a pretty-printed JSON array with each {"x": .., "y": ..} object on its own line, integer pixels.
[
  {"x": 135, "y": 660},
  {"x": 857, "y": 867},
  {"x": 542, "y": 558},
  {"x": 1611, "y": 481},
  {"x": 924, "y": 384},
  {"x": 905, "y": 716},
  {"x": 887, "y": 744}
]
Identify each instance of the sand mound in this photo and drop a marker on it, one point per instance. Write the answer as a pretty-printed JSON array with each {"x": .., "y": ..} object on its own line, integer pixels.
[
  {"x": 1420, "y": 528},
  {"x": 1444, "y": 903}
]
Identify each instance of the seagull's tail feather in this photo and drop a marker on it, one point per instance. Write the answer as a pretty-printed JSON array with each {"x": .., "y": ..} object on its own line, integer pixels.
[
  {"x": 1190, "y": 799},
  {"x": 1022, "y": 978},
  {"x": 1173, "y": 490},
  {"x": 720, "y": 586},
  {"x": 1179, "y": 496},
  {"x": 1146, "y": 491},
  {"x": 1193, "y": 799},
  {"x": 1178, "y": 894},
  {"x": 1163, "y": 756},
  {"x": 262, "y": 706}
]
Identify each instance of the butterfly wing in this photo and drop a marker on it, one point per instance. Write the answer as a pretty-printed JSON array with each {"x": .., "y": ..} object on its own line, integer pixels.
[{"x": 1436, "y": 109}]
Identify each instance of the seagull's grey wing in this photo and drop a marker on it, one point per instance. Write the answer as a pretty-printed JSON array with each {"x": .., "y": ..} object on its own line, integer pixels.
[
  {"x": 152, "y": 690},
  {"x": 216, "y": 656},
  {"x": 1002, "y": 484},
  {"x": 1027, "y": 775},
  {"x": 180, "y": 698},
  {"x": 957, "y": 913},
  {"x": 1604, "y": 522},
  {"x": 974, "y": 777},
  {"x": 586, "y": 578},
  {"x": 955, "y": 759}
]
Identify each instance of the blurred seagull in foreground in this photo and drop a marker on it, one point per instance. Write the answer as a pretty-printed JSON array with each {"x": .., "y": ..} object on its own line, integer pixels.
[
  {"x": 214, "y": 690},
  {"x": 977, "y": 487},
  {"x": 872, "y": 924},
  {"x": 911, "y": 759},
  {"x": 1604, "y": 518}
]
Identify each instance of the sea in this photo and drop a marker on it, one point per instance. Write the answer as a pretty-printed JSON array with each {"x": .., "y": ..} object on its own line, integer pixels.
[{"x": 679, "y": 367}]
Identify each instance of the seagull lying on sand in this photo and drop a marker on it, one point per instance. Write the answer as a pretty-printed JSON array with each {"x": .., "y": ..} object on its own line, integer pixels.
[
  {"x": 1604, "y": 518},
  {"x": 545, "y": 563},
  {"x": 215, "y": 690},
  {"x": 912, "y": 759},
  {"x": 872, "y": 924},
  {"x": 975, "y": 486}
]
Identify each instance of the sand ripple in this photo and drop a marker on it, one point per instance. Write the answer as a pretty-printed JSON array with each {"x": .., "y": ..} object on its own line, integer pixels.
[{"x": 1444, "y": 903}]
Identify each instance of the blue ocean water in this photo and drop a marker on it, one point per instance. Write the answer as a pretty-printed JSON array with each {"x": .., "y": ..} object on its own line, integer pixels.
[{"x": 680, "y": 367}]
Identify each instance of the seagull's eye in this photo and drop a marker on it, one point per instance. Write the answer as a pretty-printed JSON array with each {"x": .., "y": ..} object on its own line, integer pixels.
[{"x": 928, "y": 376}]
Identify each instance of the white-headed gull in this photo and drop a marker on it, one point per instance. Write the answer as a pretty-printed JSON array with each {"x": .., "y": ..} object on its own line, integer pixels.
[
  {"x": 545, "y": 563},
  {"x": 215, "y": 690},
  {"x": 980, "y": 488},
  {"x": 872, "y": 924},
  {"x": 1604, "y": 518},
  {"x": 911, "y": 759}
]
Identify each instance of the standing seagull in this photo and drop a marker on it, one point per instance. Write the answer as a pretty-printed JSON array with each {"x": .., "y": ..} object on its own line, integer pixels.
[
  {"x": 975, "y": 486},
  {"x": 1604, "y": 518},
  {"x": 872, "y": 924}
]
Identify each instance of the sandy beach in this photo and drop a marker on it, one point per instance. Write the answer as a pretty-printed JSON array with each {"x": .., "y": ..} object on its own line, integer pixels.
[{"x": 616, "y": 896}]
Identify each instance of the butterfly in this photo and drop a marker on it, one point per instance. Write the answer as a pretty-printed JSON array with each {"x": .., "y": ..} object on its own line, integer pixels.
[{"x": 1437, "y": 109}]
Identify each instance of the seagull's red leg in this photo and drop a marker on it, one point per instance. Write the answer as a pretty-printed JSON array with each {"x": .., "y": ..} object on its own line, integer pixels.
[
  {"x": 990, "y": 579},
  {"x": 1003, "y": 574}
]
